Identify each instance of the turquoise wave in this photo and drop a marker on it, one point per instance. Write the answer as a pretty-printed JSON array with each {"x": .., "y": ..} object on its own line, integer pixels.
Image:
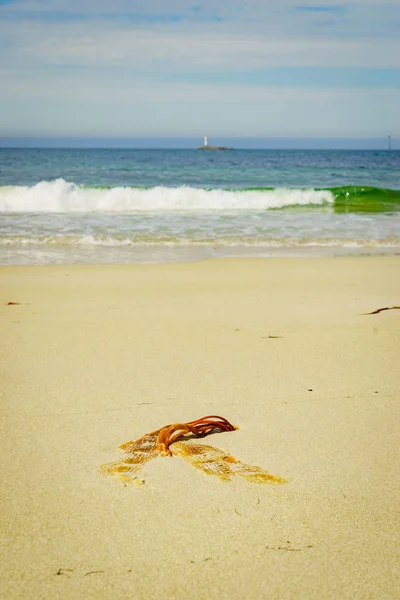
[
  {"x": 354, "y": 199},
  {"x": 351, "y": 199},
  {"x": 64, "y": 196},
  {"x": 366, "y": 199}
]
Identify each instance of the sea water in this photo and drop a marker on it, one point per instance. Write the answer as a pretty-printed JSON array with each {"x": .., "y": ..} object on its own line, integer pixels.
[{"x": 127, "y": 206}]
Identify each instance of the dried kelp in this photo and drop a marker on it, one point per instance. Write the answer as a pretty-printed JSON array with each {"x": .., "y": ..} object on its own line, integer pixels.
[
  {"x": 379, "y": 310},
  {"x": 177, "y": 440}
]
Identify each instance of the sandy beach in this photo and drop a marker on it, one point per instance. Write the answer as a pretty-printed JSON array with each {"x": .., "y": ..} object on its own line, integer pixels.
[{"x": 95, "y": 356}]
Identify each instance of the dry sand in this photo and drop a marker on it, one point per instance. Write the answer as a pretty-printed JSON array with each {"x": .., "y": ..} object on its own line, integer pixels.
[{"x": 96, "y": 356}]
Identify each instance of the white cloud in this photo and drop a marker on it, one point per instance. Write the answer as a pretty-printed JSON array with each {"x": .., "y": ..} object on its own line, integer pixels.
[
  {"x": 225, "y": 7},
  {"x": 107, "y": 75},
  {"x": 101, "y": 44},
  {"x": 85, "y": 104},
  {"x": 253, "y": 35}
]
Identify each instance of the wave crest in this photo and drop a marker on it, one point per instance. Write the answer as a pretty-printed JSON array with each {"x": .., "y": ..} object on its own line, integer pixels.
[{"x": 62, "y": 196}]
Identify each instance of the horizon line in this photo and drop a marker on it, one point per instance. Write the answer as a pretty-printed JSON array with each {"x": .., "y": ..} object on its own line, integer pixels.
[{"x": 388, "y": 142}]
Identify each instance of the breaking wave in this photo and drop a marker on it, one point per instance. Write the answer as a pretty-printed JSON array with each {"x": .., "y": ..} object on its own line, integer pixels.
[{"x": 63, "y": 197}]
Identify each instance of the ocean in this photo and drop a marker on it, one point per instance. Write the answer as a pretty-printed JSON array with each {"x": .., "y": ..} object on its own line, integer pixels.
[{"x": 108, "y": 206}]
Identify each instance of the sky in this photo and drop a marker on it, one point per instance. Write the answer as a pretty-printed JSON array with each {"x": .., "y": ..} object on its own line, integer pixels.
[{"x": 229, "y": 69}]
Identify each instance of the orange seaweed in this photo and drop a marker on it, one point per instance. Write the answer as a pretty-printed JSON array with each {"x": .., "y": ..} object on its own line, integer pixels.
[{"x": 177, "y": 440}]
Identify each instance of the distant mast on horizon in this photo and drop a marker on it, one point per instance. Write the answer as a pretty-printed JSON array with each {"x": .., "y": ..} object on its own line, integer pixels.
[
  {"x": 389, "y": 139},
  {"x": 205, "y": 140}
]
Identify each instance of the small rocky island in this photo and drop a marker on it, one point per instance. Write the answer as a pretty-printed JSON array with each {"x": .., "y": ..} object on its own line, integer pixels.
[
  {"x": 207, "y": 147},
  {"x": 214, "y": 148}
]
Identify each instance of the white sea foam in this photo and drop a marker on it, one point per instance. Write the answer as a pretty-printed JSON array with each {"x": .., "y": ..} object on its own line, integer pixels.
[
  {"x": 89, "y": 240},
  {"x": 61, "y": 196}
]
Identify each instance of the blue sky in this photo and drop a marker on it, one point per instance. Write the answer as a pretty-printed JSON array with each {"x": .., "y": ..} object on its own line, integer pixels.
[{"x": 177, "y": 68}]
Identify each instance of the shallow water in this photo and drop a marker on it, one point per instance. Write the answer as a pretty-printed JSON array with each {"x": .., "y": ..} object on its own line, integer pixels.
[{"x": 92, "y": 206}]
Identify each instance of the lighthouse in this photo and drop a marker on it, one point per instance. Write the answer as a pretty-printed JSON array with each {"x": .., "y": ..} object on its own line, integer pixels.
[{"x": 207, "y": 147}]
